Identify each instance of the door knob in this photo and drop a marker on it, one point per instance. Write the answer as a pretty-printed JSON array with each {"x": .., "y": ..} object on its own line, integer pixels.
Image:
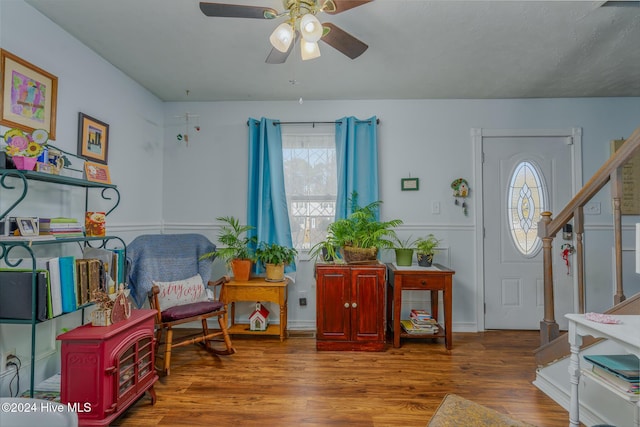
[
  {"x": 346, "y": 305},
  {"x": 354, "y": 305}
]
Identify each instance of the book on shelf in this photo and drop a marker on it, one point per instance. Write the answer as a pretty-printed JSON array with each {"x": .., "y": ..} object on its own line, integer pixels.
[
  {"x": 625, "y": 366},
  {"x": 616, "y": 381},
  {"x": 410, "y": 328},
  {"x": 419, "y": 314},
  {"x": 68, "y": 283}
]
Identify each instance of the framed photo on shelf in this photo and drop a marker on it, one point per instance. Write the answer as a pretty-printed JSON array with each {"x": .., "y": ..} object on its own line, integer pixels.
[
  {"x": 28, "y": 226},
  {"x": 93, "y": 139},
  {"x": 409, "y": 184},
  {"x": 29, "y": 95},
  {"x": 96, "y": 172}
]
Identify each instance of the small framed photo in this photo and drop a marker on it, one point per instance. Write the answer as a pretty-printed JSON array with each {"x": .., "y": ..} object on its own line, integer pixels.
[
  {"x": 93, "y": 139},
  {"x": 28, "y": 226},
  {"x": 96, "y": 172},
  {"x": 409, "y": 184}
]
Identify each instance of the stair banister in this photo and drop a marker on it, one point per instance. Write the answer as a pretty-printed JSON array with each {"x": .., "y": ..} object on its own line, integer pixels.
[{"x": 611, "y": 170}]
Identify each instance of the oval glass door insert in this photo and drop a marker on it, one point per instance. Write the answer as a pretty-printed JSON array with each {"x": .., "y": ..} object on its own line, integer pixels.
[{"x": 525, "y": 202}]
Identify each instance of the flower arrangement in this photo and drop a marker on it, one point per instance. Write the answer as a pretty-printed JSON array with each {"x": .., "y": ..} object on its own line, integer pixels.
[{"x": 24, "y": 144}]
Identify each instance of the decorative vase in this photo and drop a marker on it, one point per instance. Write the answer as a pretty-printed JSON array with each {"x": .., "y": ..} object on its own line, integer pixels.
[
  {"x": 404, "y": 256},
  {"x": 425, "y": 260},
  {"x": 241, "y": 269},
  {"x": 25, "y": 163}
]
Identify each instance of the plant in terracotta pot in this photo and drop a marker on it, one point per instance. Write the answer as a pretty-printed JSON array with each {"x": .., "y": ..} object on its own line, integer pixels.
[
  {"x": 426, "y": 248},
  {"x": 237, "y": 251},
  {"x": 274, "y": 257},
  {"x": 404, "y": 251},
  {"x": 361, "y": 235}
]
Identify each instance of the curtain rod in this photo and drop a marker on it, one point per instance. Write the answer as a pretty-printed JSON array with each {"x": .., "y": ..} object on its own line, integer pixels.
[{"x": 314, "y": 123}]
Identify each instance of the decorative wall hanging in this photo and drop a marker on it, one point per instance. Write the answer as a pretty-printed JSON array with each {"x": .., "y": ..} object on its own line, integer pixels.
[
  {"x": 93, "y": 139},
  {"x": 460, "y": 192},
  {"x": 409, "y": 184},
  {"x": 29, "y": 95},
  {"x": 567, "y": 251}
]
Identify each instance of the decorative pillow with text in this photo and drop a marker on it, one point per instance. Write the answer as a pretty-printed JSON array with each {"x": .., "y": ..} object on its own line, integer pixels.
[{"x": 180, "y": 292}]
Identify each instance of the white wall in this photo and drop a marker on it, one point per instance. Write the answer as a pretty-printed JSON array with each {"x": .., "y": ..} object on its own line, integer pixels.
[
  {"x": 428, "y": 139},
  {"x": 89, "y": 84}
]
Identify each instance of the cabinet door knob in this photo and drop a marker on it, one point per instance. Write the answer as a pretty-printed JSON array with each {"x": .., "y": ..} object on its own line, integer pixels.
[
  {"x": 354, "y": 305},
  {"x": 424, "y": 283},
  {"x": 346, "y": 305}
]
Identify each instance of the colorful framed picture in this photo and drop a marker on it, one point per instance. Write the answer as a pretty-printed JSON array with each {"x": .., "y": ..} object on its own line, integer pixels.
[
  {"x": 409, "y": 184},
  {"x": 93, "y": 139},
  {"x": 95, "y": 172},
  {"x": 28, "y": 226},
  {"x": 29, "y": 95}
]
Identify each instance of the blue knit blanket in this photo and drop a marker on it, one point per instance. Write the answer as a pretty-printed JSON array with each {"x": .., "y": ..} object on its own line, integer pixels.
[{"x": 163, "y": 258}]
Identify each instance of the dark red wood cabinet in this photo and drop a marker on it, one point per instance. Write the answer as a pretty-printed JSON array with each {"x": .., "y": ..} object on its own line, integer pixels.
[
  {"x": 350, "y": 311},
  {"x": 105, "y": 369}
]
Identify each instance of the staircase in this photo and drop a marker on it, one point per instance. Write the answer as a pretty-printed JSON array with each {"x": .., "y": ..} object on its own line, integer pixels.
[{"x": 552, "y": 357}]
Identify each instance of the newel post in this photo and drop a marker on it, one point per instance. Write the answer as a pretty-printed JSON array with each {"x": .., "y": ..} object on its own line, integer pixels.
[{"x": 549, "y": 329}]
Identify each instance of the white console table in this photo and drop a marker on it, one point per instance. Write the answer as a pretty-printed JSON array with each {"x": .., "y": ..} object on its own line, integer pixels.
[{"x": 626, "y": 334}]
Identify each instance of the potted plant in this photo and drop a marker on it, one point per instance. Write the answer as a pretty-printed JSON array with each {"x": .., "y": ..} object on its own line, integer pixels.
[
  {"x": 404, "y": 251},
  {"x": 274, "y": 257},
  {"x": 425, "y": 249},
  {"x": 237, "y": 251},
  {"x": 361, "y": 235}
]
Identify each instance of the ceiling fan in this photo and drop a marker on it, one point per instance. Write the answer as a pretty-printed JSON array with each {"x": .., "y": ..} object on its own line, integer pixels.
[{"x": 301, "y": 24}]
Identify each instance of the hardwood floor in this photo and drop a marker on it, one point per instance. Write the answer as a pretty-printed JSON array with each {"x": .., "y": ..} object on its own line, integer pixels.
[{"x": 269, "y": 383}]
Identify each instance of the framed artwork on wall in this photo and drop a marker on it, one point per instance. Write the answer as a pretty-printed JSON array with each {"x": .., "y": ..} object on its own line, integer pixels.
[
  {"x": 29, "y": 95},
  {"x": 93, "y": 139},
  {"x": 409, "y": 184}
]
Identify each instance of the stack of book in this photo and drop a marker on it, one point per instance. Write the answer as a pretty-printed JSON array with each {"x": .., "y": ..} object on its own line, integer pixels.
[
  {"x": 621, "y": 371},
  {"x": 61, "y": 228},
  {"x": 420, "y": 322}
]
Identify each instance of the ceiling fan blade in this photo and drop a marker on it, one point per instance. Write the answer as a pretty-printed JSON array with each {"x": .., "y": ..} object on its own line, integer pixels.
[
  {"x": 277, "y": 57},
  {"x": 342, "y": 5},
  {"x": 343, "y": 41},
  {"x": 237, "y": 11}
]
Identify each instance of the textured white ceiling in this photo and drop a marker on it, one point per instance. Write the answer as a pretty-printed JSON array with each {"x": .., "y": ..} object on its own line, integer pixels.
[{"x": 417, "y": 49}]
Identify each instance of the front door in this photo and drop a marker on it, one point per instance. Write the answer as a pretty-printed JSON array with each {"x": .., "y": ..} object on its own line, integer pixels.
[{"x": 523, "y": 176}]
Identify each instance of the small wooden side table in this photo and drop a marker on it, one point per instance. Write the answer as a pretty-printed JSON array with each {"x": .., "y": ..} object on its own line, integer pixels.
[
  {"x": 257, "y": 289},
  {"x": 435, "y": 279}
]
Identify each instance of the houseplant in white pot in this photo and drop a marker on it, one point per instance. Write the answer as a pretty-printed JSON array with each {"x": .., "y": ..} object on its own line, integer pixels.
[
  {"x": 237, "y": 251},
  {"x": 274, "y": 257}
]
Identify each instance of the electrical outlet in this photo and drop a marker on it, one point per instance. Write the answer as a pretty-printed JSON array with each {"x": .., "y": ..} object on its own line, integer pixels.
[
  {"x": 302, "y": 298},
  {"x": 6, "y": 356}
]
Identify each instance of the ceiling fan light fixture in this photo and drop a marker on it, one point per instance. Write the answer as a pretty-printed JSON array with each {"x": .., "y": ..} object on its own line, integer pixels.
[
  {"x": 309, "y": 50},
  {"x": 282, "y": 37},
  {"x": 311, "y": 28}
]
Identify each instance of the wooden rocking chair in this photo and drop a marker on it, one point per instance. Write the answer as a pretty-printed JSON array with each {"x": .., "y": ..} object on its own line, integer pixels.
[{"x": 170, "y": 264}]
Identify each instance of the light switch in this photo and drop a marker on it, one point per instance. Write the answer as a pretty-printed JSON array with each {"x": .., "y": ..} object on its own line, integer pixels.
[{"x": 435, "y": 207}]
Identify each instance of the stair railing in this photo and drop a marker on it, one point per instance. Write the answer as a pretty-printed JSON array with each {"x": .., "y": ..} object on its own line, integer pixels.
[{"x": 611, "y": 170}]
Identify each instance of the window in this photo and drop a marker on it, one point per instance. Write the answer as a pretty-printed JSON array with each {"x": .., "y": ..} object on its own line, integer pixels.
[
  {"x": 311, "y": 185},
  {"x": 525, "y": 202}
]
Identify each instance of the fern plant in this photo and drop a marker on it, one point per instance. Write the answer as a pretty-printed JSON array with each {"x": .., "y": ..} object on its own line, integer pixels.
[
  {"x": 361, "y": 229},
  {"x": 237, "y": 245}
]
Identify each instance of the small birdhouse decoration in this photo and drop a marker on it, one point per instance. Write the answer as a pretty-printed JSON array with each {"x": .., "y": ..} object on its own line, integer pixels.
[
  {"x": 258, "y": 321},
  {"x": 461, "y": 190}
]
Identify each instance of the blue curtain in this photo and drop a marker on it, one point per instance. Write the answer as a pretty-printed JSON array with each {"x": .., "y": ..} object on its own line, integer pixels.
[
  {"x": 357, "y": 162},
  {"x": 267, "y": 202}
]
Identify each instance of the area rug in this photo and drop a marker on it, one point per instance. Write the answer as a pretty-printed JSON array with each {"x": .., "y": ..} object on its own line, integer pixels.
[{"x": 455, "y": 411}]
